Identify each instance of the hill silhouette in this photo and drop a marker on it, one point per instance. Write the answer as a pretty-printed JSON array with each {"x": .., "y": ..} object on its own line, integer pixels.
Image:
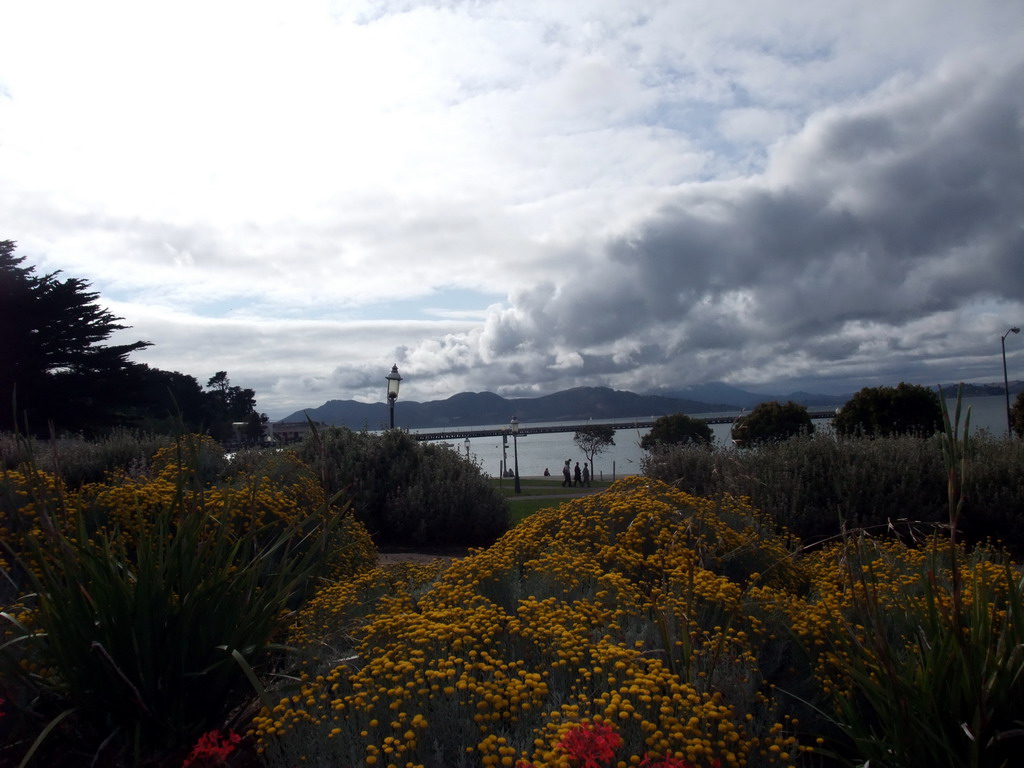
[
  {"x": 470, "y": 409},
  {"x": 480, "y": 408}
]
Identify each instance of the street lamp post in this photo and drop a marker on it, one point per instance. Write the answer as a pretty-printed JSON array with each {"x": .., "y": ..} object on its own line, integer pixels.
[
  {"x": 504, "y": 454},
  {"x": 1006, "y": 381},
  {"x": 393, "y": 381},
  {"x": 515, "y": 451}
]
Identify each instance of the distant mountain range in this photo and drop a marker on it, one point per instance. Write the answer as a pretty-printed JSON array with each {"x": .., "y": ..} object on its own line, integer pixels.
[
  {"x": 577, "y": 404},
  {"x": 736, "y": 398},
  {"x": 469, "y": 409}
]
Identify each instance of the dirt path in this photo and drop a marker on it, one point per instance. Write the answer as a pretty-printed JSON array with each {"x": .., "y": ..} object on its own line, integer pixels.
[
  {"x": 390, "y": 555},
  {"x": 575, "y": 493}
]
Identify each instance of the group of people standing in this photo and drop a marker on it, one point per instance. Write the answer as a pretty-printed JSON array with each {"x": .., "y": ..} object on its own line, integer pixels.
[{"x": 574, "y": 477}]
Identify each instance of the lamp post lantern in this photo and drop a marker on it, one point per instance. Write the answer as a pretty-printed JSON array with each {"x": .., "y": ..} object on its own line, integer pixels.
[
  {"x": 515, "y": 451},
  {"x": 393, "y": 382},
  {"x": 1006, "y": 382},
  {"x": 466, "y": 443}
]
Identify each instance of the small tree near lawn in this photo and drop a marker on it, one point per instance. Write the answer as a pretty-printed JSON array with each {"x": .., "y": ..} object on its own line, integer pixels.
[{"x": 594, "y": 440}]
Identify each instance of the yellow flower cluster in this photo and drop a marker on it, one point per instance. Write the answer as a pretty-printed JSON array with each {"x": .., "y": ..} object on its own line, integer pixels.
[
  {"x": 606, "y": 608},
  {"x": 33, "y": 502},
  {"x": 859, "y": 579}
]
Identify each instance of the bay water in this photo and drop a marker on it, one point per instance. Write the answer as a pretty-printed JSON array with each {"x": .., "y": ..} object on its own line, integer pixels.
[{"x": 549, "y": 450}]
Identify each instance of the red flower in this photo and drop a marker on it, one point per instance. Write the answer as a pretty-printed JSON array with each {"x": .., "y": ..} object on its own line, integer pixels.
[
  {"x": 212, "y": 749},
  {"x": 673, "y": 762},
  {"x": 665, "y": 762},
  {"x": 591, "y": 745}
]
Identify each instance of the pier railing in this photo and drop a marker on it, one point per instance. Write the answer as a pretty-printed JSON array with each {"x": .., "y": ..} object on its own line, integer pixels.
[{"x": 460, "y": 433}]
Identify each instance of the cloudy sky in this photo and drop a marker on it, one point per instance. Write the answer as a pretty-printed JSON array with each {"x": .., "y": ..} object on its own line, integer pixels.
[{"x": 521, "y": 197}]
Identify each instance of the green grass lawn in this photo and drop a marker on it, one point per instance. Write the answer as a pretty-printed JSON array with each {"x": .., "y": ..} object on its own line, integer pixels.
[
  {"x": 520, "y": 509},
  {"x": 537, "y": 492},
  {"x": 544, "y": 486}
]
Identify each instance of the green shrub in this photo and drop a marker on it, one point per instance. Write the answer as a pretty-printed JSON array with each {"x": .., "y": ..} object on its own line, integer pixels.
[
  {"x": 817, "y": 485},
  {"x": 907, "y": 409},
  {"x": 296, "y": 489},
  {"x": 772, "y": 422},
  {"x": 406, "y": 492},
  {"x": 79, "y": 461},
  {"x": 678, "y": 428},
  {"x": 1017, "y": 415},
  {"x": 994, "y": 507}
]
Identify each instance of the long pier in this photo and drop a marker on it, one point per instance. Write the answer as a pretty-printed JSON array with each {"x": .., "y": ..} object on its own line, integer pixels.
[{"x": 525, "y": 429}]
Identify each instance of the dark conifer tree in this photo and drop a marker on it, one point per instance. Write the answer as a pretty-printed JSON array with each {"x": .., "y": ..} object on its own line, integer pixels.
[
  {"x": 229, "y": 405},
  {"x": 54, "y": 367},
  {"x": 167, "y": 401}
]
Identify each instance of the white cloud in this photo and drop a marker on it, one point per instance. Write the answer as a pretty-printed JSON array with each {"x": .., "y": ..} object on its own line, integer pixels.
[{"x": 663, "y": 193}]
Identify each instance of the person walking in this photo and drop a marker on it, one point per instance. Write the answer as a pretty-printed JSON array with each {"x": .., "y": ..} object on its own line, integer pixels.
[
  {"x": 566, "y": 476},
  {"x": 586, "y": 474},
  {"x": 577, "y": 476}
]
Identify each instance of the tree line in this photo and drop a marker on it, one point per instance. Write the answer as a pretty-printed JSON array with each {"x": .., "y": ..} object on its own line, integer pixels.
[
  {"x": 58, "y": 375},
  {"x": 906, "y": 409}
]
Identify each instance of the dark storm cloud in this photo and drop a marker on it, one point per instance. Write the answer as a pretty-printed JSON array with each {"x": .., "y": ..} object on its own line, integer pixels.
[{"x": 904, "y": 205}]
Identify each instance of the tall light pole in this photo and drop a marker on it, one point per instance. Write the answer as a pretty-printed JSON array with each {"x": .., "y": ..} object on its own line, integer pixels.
[
  {"x": 515, "y": 451},
  {"x": 393, "y": 381},
  {"x": 504, "y": 453},
  {"x": 1006, "y": 382}
]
